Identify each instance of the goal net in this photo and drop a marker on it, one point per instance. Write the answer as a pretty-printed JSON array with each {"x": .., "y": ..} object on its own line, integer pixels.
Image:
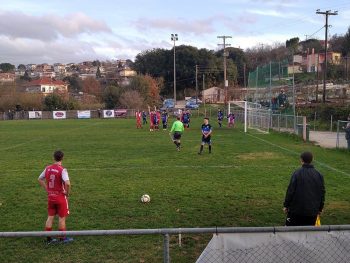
[{"x": 253, "y": 115}]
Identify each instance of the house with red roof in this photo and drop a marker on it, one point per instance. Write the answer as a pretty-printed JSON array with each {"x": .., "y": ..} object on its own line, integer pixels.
[{"x": 46, "y": 86}]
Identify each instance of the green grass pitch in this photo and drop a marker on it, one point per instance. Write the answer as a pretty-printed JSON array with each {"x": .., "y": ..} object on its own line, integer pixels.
[{"x": 111, "y": 164}]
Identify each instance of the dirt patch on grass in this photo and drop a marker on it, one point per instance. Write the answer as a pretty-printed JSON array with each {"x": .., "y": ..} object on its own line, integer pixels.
[
  {"x": 259, "y": 155},
  {"x": 337, "y": 205}
]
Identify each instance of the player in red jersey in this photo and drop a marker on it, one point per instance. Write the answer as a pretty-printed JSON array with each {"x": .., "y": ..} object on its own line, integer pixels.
[
  {"x": 54, "y": 179},
  {"x": 158, "y": 116},
  {"x": 138, "y": 116}
]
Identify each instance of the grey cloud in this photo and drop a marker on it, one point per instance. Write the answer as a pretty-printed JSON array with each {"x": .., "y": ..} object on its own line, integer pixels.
[
  {"x": 204, "y": 26},
  {"x": 196, "y": 27},
  {"x": 35, "y": 51},
  {"x": 48, "y": 27}
]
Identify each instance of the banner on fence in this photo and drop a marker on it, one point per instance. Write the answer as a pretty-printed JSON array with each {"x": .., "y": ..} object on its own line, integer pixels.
[
  {"x": 108, "y": 113},
  {"x": 35, "y": 114},
  {"x": 315, "y": 246},
  {"x": 120, "y": 113},
  {"x": 84, "y": 114},
  {"x": 59, "y": 115}
]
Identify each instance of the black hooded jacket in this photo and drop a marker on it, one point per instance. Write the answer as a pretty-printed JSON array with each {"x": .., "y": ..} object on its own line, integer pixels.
[{"x": 306, "y": 192}]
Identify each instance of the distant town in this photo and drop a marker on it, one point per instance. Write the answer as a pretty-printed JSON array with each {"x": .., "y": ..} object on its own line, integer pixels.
[{"x": 46, "y": 78}]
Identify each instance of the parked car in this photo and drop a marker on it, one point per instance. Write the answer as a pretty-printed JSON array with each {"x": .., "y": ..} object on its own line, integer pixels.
[
  {"x": 191, "y": 105},
  {"x": 198, "y": 101},
  {"x": 168, "y": 104}
]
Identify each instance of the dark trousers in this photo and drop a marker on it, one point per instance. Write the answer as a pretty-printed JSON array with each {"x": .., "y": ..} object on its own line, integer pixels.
[{"x": 296, "y": 220}]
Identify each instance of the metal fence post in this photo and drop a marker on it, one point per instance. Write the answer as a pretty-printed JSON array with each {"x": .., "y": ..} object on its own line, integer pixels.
[
  {"x": 337, "y": 142},
  {"x": 286, "y": 122},
  {"x": 315, "y": 121},
  {"x": 166, "y": 254},
  {"x": 331, "y": 123}
]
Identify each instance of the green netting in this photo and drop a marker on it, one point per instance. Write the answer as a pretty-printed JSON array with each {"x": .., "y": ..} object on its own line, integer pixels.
[{"x": 262, "y": 78}]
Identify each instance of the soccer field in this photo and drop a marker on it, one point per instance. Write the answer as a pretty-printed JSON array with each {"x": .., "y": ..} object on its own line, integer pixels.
[{"x": 111, "y": 164}]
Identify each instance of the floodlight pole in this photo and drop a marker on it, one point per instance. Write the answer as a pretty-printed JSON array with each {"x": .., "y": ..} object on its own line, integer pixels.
[
  {"x": 225, "y": 55},
  {"x": 174, "y": 38}
]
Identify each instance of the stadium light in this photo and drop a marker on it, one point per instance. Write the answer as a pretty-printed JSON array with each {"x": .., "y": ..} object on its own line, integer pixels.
[{"x": 174, "y": 38}]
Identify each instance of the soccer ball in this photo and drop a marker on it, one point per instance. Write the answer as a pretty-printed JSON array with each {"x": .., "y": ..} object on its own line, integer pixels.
[{"x": 145, "y": 198}]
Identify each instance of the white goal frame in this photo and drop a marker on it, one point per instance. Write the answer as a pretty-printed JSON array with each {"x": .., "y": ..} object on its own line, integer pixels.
[{"x": 254, "y": 115}]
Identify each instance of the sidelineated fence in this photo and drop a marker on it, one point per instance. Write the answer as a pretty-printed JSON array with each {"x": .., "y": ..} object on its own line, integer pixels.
[{"x": 253, "y": 244}]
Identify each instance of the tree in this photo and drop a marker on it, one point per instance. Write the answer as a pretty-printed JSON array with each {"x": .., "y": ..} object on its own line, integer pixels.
[
  {"x": 96, "y": 63},
  {"x": 75, "y": 83},
  {"x": 310, "y": 44},
  {"x": 98, "y": 73},
  {"x": 92, "y": 86},
  {"x": 292, "y": 44},
  {"x": 235, "y": 60},
  {"x": 21, "y": 67},
  {"x": 7, "y": 67},
  {"x": 346, "y": 44},
  {"x": 111, "y": 96},
  {"x": 26, "y": 76},
  {"x": 53, "y": 102},
  {"x": 336, "y": 43},
  {"x": 159, "y": 63},
  {"x": 148, "y": 88},
  {"x": 131, "y": 99}
]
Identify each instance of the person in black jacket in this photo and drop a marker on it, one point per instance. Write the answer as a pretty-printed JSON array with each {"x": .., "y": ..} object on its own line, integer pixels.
[
  {"x": 347, "y": 134},
  {"x": 305, "y": 194}
]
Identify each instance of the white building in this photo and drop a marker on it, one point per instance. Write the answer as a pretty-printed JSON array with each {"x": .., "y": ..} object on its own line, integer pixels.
[
  {"x": 46, "y": 86},
  {"x": 213, "y": 95}
]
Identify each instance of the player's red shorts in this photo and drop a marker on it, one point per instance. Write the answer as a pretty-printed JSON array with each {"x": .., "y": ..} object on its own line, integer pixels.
[{"x": 58, "y": 206}]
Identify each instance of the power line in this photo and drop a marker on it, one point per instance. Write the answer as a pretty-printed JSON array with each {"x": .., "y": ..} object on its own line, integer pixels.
[{"x": 309, "y": 36}]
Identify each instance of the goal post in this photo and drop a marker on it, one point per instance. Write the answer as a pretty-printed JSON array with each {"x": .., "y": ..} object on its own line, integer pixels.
[
  {"x": 240, "y": 109},
  {"x": 251, "y": 114}
]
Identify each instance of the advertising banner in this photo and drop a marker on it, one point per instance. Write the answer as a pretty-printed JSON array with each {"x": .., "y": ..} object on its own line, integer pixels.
[
  {"x": 108, "y": 113},
  {"x": 59, "y": 115},
  {"x": 120, "y": 113},
  {"x": 84, "y": 114},
  {"x": 35, "y": 114}
]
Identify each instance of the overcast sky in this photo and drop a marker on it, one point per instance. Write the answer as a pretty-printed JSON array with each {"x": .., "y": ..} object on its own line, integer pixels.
[{"x": 37, "y": 31}]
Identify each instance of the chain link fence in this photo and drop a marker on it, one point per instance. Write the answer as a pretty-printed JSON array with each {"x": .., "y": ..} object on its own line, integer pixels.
[
  {"x": 48, "y": 115},
  {"x": 342, "y": 142},
  {"x": 324, "y": 244},
  {"x": 294, "y": 247}
]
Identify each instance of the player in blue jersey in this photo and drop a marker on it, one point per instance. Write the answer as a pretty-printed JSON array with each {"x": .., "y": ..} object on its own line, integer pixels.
[
  {"x": 206, "y": 135},
  {"x": 165, "y": 120},
  {"x": 220, "y": 117},
  {"x": 186, "y": 119}
]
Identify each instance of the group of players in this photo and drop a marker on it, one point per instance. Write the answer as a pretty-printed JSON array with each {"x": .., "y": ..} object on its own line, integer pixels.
[
  {"x": 183, "y": 120},
  {"x": 157, "y": 117},
  {"x": 55, "y": 180}
]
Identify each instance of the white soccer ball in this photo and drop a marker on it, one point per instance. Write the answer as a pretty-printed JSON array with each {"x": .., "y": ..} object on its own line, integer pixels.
[{"x": 145, "y": 198}]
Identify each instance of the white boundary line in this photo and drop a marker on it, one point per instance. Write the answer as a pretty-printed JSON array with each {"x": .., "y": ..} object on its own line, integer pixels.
[{"x": 296, "y": 153}]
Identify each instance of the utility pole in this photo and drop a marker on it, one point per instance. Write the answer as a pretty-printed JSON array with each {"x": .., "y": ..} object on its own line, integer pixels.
[
  {"x": 317, "y": 69},
  {"x": 197, "y": 84},
  {"x": 326, "y": 13},
  {"x": 174, "y": 38},
  {"x": 244, "y": 74},
  {"x": 225, "y": 55},
  {"x": 203, "y": 76},
  {"x": 346, "y": 68}
]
